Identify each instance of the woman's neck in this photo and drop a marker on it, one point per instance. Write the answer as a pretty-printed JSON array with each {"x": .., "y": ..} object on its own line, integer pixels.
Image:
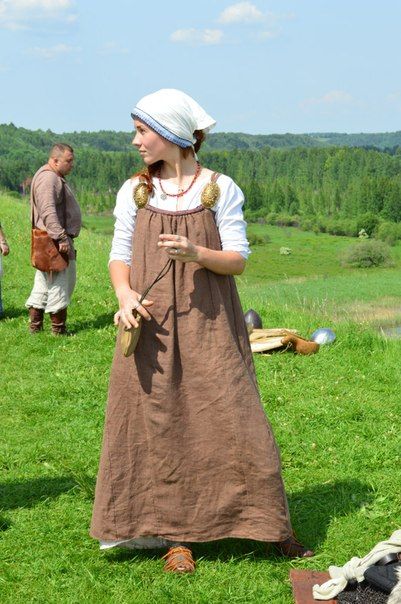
[{"x": 177, "y": 170}]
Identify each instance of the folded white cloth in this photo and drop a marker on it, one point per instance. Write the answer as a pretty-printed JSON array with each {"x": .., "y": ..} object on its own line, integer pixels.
[
  {"x": 174, "y": 115},
  {"x": 354, "y": 568}
]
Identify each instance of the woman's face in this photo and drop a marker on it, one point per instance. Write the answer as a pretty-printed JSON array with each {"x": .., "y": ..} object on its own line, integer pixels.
[{"x": 151, "y": 145}]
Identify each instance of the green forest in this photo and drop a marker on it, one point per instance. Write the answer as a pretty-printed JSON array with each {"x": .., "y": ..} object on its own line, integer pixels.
[{"x": 321, "y": 182}]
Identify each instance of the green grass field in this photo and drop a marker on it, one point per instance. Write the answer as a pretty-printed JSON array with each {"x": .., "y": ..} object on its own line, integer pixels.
[{"x": 335, "y": 416}]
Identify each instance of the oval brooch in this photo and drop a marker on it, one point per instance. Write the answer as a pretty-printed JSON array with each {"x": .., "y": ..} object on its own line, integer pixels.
[
  {"x": 141, "y": 195},
  {"x": 210, "y": 195}
]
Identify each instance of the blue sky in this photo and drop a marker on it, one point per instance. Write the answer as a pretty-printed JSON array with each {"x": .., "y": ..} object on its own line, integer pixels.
[{"x": 257, "y": 66}]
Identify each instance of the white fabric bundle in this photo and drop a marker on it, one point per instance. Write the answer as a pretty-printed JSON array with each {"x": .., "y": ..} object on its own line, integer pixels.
[{"x": 354, "y": 569}]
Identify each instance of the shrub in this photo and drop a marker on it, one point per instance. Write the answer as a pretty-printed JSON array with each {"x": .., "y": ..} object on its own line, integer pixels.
[
  {"x": 254, "y": 239},
  {"x": 334, "y": 226},
  {"x": 389, "y": 232},
  {"x": 311, "y": 223},
  {"x": 341, "y": 226},
  {"x": 271, "y": 218},
  {"x": 14, "y": 194},
  {"x": 282, "y": 220},
  {"x": 254, "y": 215},
  {"x": 287, "y": 220},
  {"x": 369, "y": 222},
  {"x": 367, "y": 253}
]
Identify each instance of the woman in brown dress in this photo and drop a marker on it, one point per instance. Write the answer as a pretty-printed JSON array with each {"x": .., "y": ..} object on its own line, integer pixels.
[{"x": 188, "y": 455}]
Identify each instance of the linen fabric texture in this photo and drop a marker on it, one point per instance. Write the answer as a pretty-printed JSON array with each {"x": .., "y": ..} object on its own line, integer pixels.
[
  {"x": 227, "y": 211},
  {"x": 174, "y": 115},
  {"x": 47, "y": 202},
  {"x": 188, "y": 455},
  {"x": 53, "y": 291}
]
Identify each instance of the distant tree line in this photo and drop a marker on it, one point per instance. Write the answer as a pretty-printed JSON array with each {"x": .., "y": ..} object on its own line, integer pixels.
[
  {"x": 331, "y": 183},
  {"x": 329, "y": 188},
  {"x": 12, "y": 137}
]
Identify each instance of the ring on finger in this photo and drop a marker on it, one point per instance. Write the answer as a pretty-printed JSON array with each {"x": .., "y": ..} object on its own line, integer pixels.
[{"x": 137, "y": 303}]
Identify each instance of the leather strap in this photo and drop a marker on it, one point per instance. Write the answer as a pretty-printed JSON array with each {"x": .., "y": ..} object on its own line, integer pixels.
[{"x": 388, "y": 559}]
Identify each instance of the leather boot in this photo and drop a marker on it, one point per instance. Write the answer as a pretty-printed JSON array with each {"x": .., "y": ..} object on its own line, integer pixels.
[
  {"x": 58, "y": 320},
  {"x": 35, "y": 319}
]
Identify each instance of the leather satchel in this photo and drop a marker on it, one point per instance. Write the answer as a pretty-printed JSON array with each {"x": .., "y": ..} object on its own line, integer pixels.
[{"x": 45, "y": 253}]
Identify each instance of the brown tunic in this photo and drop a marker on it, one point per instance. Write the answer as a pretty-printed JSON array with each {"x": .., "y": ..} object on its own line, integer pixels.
[
  {"x": 56, "y": 212},
  {"x": 187, "y": 452}
]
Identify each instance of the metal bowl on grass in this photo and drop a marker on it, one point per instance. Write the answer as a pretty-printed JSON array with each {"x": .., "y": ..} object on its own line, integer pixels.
[
  {"x": 323, "y": 335},
  {"x": 252, "y": 320}
]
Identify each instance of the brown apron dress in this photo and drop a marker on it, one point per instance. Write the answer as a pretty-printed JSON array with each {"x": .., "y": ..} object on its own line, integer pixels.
[{"x": 187, "y": 452}]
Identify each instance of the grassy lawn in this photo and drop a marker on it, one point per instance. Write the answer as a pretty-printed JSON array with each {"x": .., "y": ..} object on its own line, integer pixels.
[{"x": 335, "y": 416}]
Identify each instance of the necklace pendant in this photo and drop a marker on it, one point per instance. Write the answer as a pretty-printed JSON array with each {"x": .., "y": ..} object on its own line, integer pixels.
[{"x": 163, "y": 196}]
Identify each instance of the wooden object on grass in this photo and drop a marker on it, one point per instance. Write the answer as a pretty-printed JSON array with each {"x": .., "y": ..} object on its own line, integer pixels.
[
  {"x": 263, "y": 340},
  {"x": 302, "y": 582}
]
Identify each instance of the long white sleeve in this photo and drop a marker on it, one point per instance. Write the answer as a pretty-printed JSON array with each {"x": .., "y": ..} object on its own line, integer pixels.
[
  {"x": 125, "y": 215},
  {"x": 228, "y": 211},
  {"x": 230, "y": 220}
]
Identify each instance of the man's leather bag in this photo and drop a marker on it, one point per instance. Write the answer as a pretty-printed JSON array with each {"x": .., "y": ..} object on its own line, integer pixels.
[{"x": 45, "y": 255}]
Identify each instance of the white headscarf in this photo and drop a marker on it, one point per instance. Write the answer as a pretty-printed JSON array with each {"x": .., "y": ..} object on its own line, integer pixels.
[{"x": 174, "y": 115}]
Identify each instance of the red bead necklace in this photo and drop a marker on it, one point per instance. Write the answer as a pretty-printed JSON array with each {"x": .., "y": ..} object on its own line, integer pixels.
[{"x": 180, "y": 193}]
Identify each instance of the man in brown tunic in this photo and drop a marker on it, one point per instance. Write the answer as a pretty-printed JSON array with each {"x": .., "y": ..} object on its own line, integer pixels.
[{"x": 56, "y": 211}]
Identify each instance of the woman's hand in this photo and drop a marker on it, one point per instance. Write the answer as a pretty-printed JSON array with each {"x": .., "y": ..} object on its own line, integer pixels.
[
  {"x": 179, "y": 248},
  {"x": 129, "y": 303},
  {"x": 221, "y": 262}
]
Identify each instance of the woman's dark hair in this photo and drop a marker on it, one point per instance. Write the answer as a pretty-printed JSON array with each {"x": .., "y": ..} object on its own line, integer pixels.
[
  {"x": 149, "y": 171},
  {"x": 200, "y": 137}
]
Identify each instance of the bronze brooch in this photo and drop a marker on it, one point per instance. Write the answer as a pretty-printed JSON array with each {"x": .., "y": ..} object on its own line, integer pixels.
[{"x": 210, "y": 195}]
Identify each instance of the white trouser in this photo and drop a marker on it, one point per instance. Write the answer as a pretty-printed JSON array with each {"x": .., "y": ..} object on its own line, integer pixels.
[{"x": 52, "y": 291}]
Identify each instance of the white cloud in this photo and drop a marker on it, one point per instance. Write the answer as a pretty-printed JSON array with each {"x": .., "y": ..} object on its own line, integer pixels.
[
  {"x": 334, "y": 97},
  {"x": 239, "y": 13},
  {"x": 197, "y": 36},
  {"x": 53, "y": 52},
  {"x": 20, "y": 14},
  {"x": 242, "y": 12},
  {"x": 39, "y": 4}
]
